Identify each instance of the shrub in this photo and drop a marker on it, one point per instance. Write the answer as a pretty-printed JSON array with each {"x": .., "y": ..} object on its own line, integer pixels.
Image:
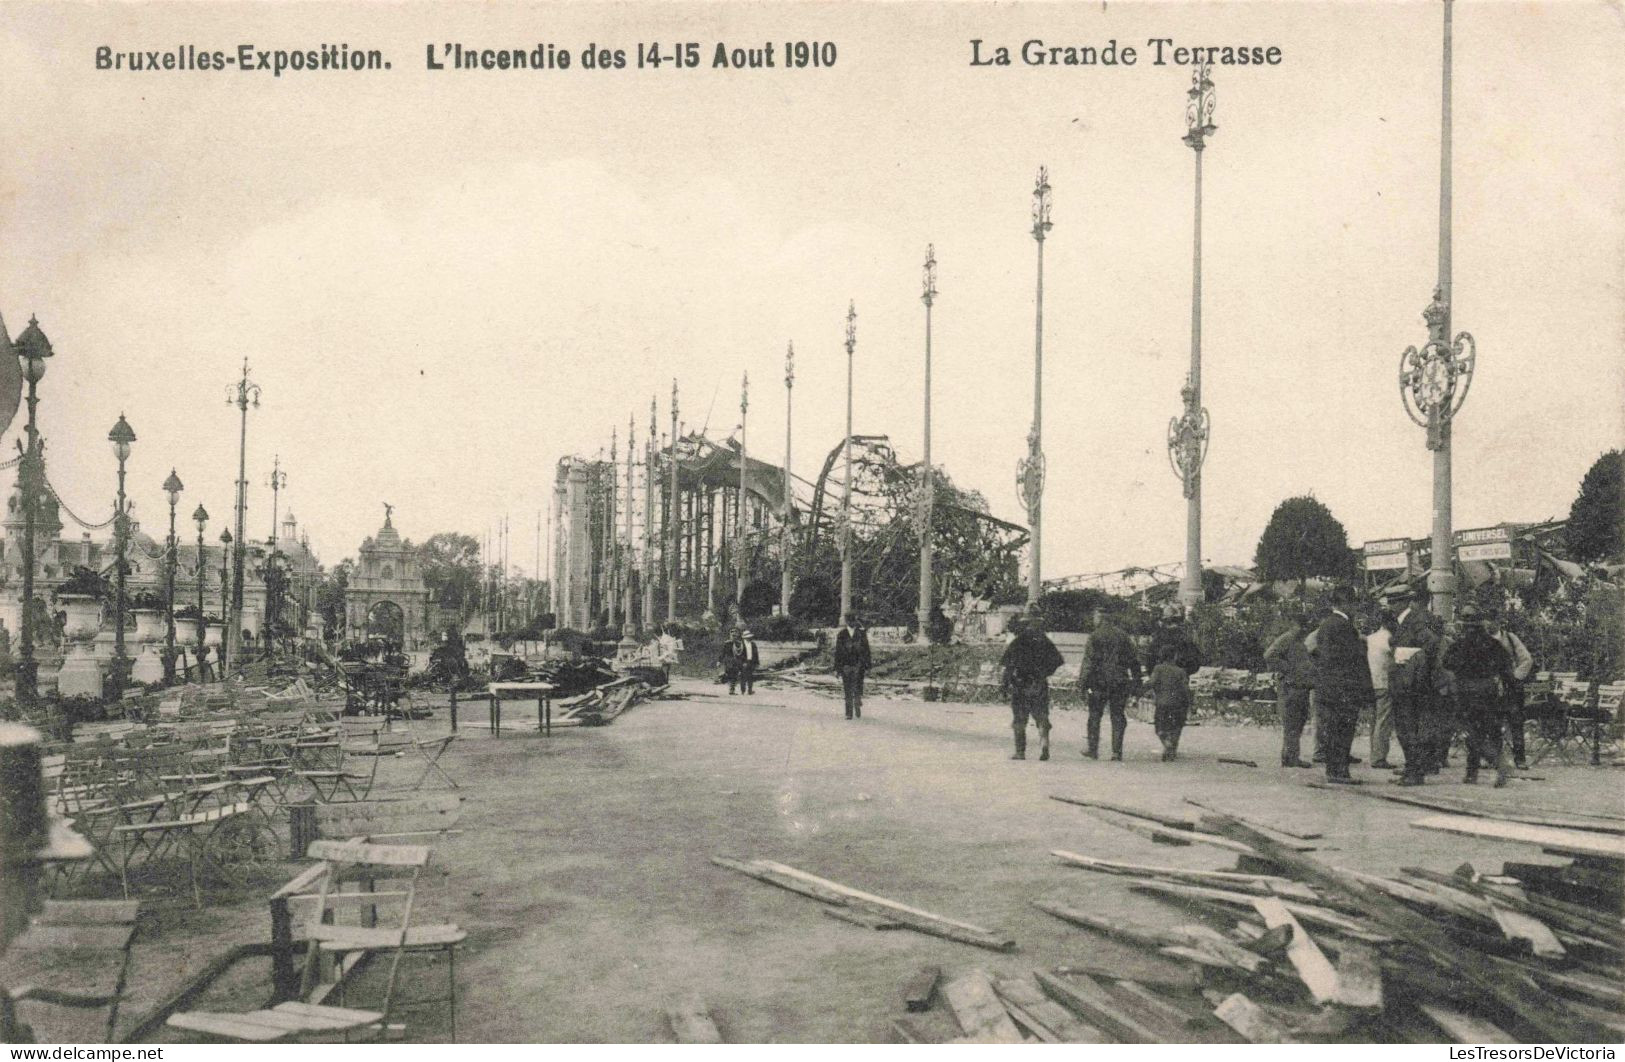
[{"x": 780, "y": 629}]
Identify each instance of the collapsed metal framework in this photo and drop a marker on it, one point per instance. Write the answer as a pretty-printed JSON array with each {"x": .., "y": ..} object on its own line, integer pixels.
[{"x": 604, "y": 553}]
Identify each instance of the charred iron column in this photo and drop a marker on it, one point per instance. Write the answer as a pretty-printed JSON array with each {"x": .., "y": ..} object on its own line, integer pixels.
[
  {"x": 928, "y": 295},
  {"x": 1030, "y": 473}
]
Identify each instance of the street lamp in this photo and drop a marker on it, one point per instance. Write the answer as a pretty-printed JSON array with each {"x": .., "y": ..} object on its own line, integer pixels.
[
  {"x": 200, "y": 517},
  {"x": 1188, "y": 433},
  {"x": 34, "y": 350},
  {"x": 672, "y": 518},
  {"x": 121, "y": 437},
  {"x": 649, "y": 489},
  {"x": 1030, "y": 471},
  {"x": 631, "y": 549},
  {"x": 845, "y": 538},
  {"x": 241, "y": 394},
  {"x": 225, "y": 602},
  {"x": 172, "y": 487},
  {"x": 786, "y": 575},
  {"x": 1434, "y": 381},
  {"x": 928, "y": 295}
]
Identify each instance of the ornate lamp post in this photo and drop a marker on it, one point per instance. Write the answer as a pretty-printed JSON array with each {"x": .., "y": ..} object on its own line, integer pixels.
[
  {"x": 276, "y": 481},
  {"x": 241, "y": 394},
  {"x": 173, "y": 488},
  {"x": 225, "y": 600},
  {"x": 928, "y": 295},
  {"x": 121, "y": 437},
  {"x": 611, "y": 495},
  {"x": 672, "y": 518},
  {"x": 200, "y": 517},
  {"x": 741, "y": 547},
  {"x": 1434, "y": 381},
  {"x": 1030, "y": 472},
  {"x": 1188, "y": 433},
  {"x": 786, "y": 543},
  {"x": 845, "y": 529},
  {"x": 34, "y": 350}
]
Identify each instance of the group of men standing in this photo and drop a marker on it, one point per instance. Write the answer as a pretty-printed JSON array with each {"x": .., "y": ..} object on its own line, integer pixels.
[{"x": 1421, "y": 685}]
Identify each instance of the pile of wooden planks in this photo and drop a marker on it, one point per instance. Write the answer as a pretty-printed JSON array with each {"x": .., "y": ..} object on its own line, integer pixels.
[
  {"x": 1291, "y": 948},
  {"x": 1095, "y": 1003},
  {"x": 600, "y": 706}
]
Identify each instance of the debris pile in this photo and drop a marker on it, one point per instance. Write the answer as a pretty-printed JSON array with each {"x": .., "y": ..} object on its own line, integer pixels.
[
  {"x": 600, "y": 706},
  {"x": 1293, "y": 949}
]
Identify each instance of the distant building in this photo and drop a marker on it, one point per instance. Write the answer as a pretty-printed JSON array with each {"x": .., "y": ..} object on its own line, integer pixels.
[{"x": 386, "y": 594}]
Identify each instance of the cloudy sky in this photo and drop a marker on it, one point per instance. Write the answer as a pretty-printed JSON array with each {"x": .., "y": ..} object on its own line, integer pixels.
[{"x": 446, "y": 280}]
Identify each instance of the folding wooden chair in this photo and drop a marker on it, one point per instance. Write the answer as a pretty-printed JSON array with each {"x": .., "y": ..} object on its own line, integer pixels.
[
  {"x": 75, "y": 955},
  {"x": 335, "y": 949}
]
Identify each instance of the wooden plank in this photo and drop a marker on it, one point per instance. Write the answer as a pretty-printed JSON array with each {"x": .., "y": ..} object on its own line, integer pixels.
[
  {"x": 1464, "y": 1028},
  {"x": 1165, "y": 834},
  {"x": 1518, "y": 926},
  {"x": 1261, "y": 884},
  {"x": 1250, "y": 1021},
  {"x": 1175, "y": 821},
  {"x": 920, "y": 988},
  {"x": 1316, "y": 916},
  {"x": 1359, "y": 978},
  {"x": 1153, "y": 1007},
  {"x": 1145, "y": 967},
  {"x": 1551, "y": 838},
  {"x": 691, "y": 1022},
  {"x": 48, "y": 937},
  {"x": 1299, "y": 832},
  {"x": 782, "y": 881},
  {"x": 869, "y": 897},
  {"x": 1086, "y": 998},
  {"x": 1030, "y": 1007},
  {"x": 980, "y": 1014},
  {"x": 1314, "y": 969},
  {"x": 1531, "y": 815}
]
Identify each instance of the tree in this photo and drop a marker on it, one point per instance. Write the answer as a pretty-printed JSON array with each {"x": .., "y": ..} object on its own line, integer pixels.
[
  {"x": 1303, "y": 538},
  {"x": 330, "y": 597},
  {"x": 1594, "y": 532},
  {"x": 451, "y": 570}
]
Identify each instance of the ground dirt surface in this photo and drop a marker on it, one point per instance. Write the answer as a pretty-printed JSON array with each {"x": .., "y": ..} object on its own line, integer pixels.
[{"x": 583, "y": 874}]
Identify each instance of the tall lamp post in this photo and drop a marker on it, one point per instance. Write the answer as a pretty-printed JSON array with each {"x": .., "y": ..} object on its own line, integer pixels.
[
  {"x": 1031, "y": 469},
  {"x": 928, "y": 295},
  {"x": 786, "y": 543},
  {"x": 626, "y": 564},
  {"x": 1189, "y": 432},
  {"x": 241, "y": 394},
  {"x": 34, "y": 350},
  {"x": 172, "y": 487},
  {"x": 1434, "y": 381},
  {"x": 741, "y": 549},
  {"x": 845, "y": 539},
  {"x": 200, "y": 517},
  {"x": 121, "y": 437}
]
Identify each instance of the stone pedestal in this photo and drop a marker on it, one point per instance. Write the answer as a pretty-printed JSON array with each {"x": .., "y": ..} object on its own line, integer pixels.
[
  {"x": 148, "y": 648},
  {"x": 81, "y": 674}
]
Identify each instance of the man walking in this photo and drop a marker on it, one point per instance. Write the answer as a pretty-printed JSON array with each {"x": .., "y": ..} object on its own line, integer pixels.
[
  {"x": 851, "y": 661},
  {"x": 1110, "y": 674},
  {"x": 1379, "y": 656},
  {"x": 1289, "y": 658},
  {"x": 1413, "y": 684},
  {"x": 1522, "y": 664},
  {"x": 1483, "y": 673},
  {"x": 750, "y": 658},
  {"x": 1342, "y": 683},
  {"x": 1028, "y": 662}
]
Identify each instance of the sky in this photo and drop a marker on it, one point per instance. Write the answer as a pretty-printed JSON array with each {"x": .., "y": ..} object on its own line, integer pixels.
[{"x": 444, "y": 281}]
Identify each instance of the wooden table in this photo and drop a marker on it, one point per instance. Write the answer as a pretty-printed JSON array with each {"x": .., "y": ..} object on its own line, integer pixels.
[{"x": 540, "y": 692}]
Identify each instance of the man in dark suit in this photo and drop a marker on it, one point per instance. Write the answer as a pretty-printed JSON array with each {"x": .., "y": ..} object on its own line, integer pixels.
[
  {"x": 1414, "y": 683},
  {"x": 1110, "y": 673},
  {"x": 851, "y": 662},
  {"x": 1342, "y": 683}
]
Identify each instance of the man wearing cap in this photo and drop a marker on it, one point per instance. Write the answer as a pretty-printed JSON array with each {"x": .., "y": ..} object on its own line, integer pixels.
[
  {"x": 1413, "y": 682},
  {"x": 1110, "y": 673},
  {"x": 1342, "y": 683},
  {"x": 1522, "y": 664},
  {"x": 1483, "y": 673},
  {"x": 1289, "y": 658},
  {"x": 1028, "y": 662}
]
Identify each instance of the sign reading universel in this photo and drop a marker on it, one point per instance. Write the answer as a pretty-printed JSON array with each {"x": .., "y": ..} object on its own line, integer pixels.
[{"x": 1485, "y": 543}]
